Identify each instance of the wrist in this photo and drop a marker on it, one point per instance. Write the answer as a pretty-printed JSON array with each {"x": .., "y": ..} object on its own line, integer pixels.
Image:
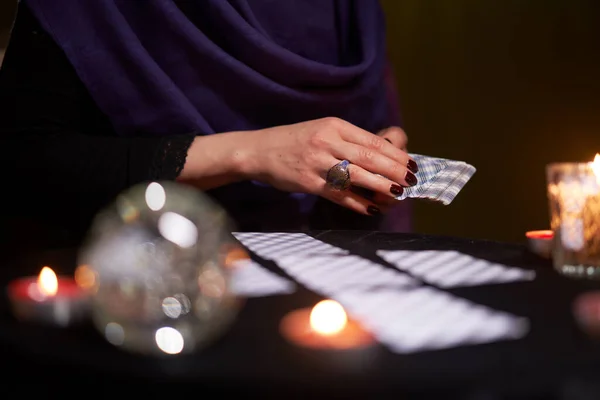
[
  {"x": 219, "y": 159},
  {"x": 244, "y": 154},
  {"x": 240, "y": 156}
]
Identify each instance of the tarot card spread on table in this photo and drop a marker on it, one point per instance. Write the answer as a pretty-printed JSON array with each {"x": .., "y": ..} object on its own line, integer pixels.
[{"x": 405, "y": 307}]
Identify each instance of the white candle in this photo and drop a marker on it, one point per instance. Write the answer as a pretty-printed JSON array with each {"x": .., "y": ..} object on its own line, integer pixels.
[{"x": 574, "y": 194}]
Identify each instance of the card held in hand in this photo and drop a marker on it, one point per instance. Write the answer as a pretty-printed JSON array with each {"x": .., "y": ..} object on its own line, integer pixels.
[{"x": 440, "y": 179}]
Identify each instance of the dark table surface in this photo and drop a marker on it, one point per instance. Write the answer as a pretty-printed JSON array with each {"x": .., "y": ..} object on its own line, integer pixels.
[{"x": 555, "y": 360}]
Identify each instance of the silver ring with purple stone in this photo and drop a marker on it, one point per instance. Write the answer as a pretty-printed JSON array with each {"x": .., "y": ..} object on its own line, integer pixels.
[{"x": 338, "y": 176}]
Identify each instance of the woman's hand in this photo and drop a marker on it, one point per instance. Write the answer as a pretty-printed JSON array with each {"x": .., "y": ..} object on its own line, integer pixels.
[{"x": 296, "y": 158}]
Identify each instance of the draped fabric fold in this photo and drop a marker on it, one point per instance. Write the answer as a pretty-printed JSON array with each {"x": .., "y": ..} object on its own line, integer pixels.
[{"x": 171, "y": 67}]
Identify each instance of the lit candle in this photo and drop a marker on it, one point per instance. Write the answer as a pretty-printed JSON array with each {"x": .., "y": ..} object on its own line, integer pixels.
[
  {"x": 574, "y": 195},
  {"x": 48, "y": 298},
  {"x": 325, "y": 326},
  {"x": 542, "y": 234},
  {"x": 540, "y": 242}
]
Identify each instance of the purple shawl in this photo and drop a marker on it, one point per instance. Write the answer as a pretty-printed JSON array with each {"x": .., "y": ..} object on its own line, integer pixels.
[
  {"x": 171, "y": 67},
  {"x": 164, "y": 67}
]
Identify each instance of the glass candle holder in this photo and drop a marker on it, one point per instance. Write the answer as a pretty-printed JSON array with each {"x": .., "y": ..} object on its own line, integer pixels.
[
  {"x": 156, "y": 264},
  {"x": 574, "y": 200}
]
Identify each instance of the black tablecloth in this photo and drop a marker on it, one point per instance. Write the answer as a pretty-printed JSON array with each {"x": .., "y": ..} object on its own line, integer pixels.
[{"x": 555, "y": 360}]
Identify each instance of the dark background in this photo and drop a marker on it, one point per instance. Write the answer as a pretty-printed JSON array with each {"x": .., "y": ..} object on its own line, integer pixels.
[
  {"x": 507, "y": 86},
  {"x": 7, "y": 9}
]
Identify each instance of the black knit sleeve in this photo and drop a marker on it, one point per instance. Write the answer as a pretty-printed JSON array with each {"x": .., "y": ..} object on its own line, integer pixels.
[{"x": 60, "y": 155}]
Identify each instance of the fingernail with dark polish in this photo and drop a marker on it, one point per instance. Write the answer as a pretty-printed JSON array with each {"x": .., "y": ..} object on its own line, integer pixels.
[
  {"x": 396, "y": 190},
  {"x": 388, "y": 140},
  {"x": 373, "y": 210},
  {"x": 412, "y": 166},
  {"x": 411, "y": 179}
]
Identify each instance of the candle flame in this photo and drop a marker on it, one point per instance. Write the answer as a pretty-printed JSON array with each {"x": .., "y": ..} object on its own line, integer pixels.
[
  {"x": 328, "y": 317},
  {"x": 596, "y": 166},
  {"x": 47, "y": 282}
]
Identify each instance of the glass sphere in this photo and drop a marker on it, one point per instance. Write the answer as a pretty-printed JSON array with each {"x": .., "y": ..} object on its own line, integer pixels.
[{"x": 157, "y": 262}]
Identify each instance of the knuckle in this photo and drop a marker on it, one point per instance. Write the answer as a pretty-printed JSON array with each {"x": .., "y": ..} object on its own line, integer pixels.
[
  {"x": 333, "y": 122},
  {"x": 319, "y": 138},
  {"x": 308, "y": 157},
  {"x": 375, "y": 142},
  {"x": 366, "y": 156}
]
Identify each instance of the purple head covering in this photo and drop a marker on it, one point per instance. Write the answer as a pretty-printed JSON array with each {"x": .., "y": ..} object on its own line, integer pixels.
[{"x": 171, "y": 67}]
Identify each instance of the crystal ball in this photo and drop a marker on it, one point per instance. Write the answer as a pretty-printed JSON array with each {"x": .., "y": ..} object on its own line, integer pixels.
[{"x": 158, "y": 263}]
